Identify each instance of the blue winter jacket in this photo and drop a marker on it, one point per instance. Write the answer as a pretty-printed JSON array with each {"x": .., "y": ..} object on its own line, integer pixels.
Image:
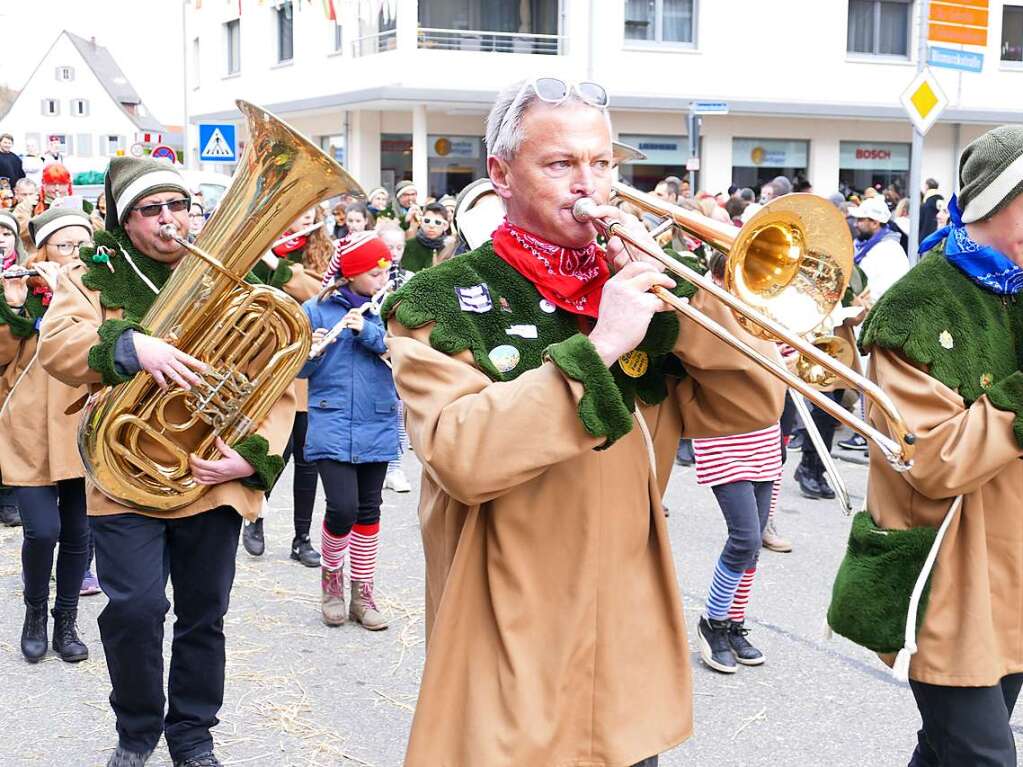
[{"x": 352, "y": 402}]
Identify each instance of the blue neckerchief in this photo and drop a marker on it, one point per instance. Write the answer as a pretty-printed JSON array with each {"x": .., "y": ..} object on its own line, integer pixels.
[
  {"x": 986, "y": 266},
  {"x": 862, "y": 247},
  {"x": 355, "y": 300}
]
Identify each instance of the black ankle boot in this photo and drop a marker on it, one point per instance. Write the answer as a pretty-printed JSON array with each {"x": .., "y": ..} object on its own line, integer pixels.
[
  {"x": 714, "y": 648},
  {"x": 33, "y": 633},
  {"x": 66, "y": 642},
  {"x": 302, "y": 551},
  {"x": 806, "y": 478},
  {"x": 252, "y": 538}
]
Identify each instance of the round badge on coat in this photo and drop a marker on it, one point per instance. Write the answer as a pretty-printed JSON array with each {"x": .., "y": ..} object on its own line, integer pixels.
[
  {"x": 634, "y": 364},
  {"x": 504, "y": 357},
  {"x": 547, "y": 307}
]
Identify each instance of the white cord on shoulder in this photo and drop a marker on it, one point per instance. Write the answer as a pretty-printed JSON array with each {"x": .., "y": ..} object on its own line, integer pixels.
[{"x": 131, "y": 263}]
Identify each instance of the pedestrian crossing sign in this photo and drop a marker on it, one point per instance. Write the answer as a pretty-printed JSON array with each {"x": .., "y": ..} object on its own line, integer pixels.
[
  {"x": 217, "y": 142},
  {"x": 924, "y": 101}
]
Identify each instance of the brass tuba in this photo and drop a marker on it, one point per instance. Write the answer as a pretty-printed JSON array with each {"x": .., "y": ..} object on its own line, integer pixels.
[{"x": 134, "y": 438}]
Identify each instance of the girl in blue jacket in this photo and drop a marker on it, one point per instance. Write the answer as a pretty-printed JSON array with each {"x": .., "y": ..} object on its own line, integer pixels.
[{"x": 352, "y": 428}]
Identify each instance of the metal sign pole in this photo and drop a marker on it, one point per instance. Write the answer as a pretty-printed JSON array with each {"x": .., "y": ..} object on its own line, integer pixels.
[{"x": 916, "y": 155}]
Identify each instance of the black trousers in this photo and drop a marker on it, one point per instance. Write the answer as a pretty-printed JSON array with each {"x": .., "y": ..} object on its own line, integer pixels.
[
  {"x": 50, "y": 515},
  {"x": 135, "y": 555},
  {"x": 354, "y": 493},
  {"x": 966, "y": 725},
  {"x": 303, "y": 487},
  {"x": 826, "y": 425}
]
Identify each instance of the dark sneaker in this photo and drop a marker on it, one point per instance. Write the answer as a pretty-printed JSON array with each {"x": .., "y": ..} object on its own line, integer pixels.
[
  {"x": 122, "y": 757},
  {"x": 10, "y": 516},
  {"x": 684, "y": 455},
  {"x": 252, "y": 538},
  {"x": 715, "y": 649},
  {"x": 795, "y": 443},
  {"x": 744, "y": 652},
  {"x": 203, "y": 760},
  {"x": 302, "y": 551},
  {"x": 825, "y": 486},
  {"x": 855, "y": 442},
  {"x": 808, "y": 484}
]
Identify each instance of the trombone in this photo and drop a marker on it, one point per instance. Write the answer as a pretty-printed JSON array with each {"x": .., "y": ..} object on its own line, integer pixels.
[{"x": 787, "y": 267}]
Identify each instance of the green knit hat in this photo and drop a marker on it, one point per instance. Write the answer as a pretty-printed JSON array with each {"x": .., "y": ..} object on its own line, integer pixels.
[
  {"x": 45, "y": 224},
  {"x": 991, "y": 173},
  {"x": 129, "y": 179}
]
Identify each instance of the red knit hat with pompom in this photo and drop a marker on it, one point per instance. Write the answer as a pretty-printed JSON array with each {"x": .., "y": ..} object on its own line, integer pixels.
[{"x": 362, "y": 252}]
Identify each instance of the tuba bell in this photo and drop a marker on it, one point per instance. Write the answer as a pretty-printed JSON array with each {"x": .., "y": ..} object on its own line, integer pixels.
[{"x": 135, "y": 439}]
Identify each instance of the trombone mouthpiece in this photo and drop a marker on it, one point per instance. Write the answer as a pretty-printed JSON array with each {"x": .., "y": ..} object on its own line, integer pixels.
[
  {"x": 582, "y": 211},
  {"x": 168, "y": 232}
]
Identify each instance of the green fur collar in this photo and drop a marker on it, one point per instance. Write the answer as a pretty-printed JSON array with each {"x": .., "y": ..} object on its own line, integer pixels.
[
  {"x": 117, "y": 283},
  {"x": 936, "y": 316},
  {"x": 432, "y": 297}
]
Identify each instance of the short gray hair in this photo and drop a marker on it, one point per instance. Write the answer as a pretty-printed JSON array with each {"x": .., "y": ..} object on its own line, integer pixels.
[{"x": 504, "y": 123}]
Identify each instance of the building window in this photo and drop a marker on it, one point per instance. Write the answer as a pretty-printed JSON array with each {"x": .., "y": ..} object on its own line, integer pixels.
[
  {"x": 863, "y": 164},
  {"x": 879, "y": 27},
  {"x": 79, "y": 107},
  {"x": 84, "y": 143},
  {"x": 755, "y": 161},
  {"x": 285, "y": 33},
  {"x": 65, "y": 74},
  {"x": 51, "y": 107},
  {"x": 479, "y": 25},
  {"x": 63, "y": 142},
  {"x": 1012, "y": 33},
  {"x": 195, "y": 63},
  {"x": 377, "y": 33},
  {"x": 665, "y": 156},
  {"x": 660, "y": 21},
  {"x": 110, "y": 144},
  {"x": 338, "y": 39},
  {"x": 232, "y": 41}
]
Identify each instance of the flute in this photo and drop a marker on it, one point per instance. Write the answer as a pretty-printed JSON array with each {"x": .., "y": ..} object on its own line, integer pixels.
[
  {"x": 373, "y": 305},
  {"x": 272, "y": 260},
  {"x": 15, "y": 272}
]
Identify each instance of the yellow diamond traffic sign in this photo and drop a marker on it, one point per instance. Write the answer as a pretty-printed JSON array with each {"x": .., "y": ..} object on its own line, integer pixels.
[{"x": 924, "y": 100}]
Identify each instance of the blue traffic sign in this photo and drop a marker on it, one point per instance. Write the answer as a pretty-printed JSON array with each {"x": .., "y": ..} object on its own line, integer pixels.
[
  {"x": 950, "y": 58},
  {"x": 217, "y": 142}
]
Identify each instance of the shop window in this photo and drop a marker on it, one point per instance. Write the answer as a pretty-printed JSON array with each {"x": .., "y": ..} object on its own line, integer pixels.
[
  {"x": 875, "y": 164},
  {"x": 285, "y": 33},
  {"x": 233, "y": 46},
  {"x": 879, "y": 27},
  {"x": 110, "y": 144},
  {"x": 1012, "y": 33},
  {"x": 63, "y": 142},
  {"x": 755, "y": 161},
  {"x": 660, "y": 21},
  {"x": 665, "y": 156}
]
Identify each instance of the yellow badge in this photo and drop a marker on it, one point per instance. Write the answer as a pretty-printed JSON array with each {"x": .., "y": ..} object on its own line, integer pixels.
[
  {"x": 986, "y": 380},
  {"x": 945, "y": 339},
  {"x": 634, "y": 364}
]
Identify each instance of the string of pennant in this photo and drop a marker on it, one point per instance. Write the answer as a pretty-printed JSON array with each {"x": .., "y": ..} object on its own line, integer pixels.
[{"x": 366, "y": 8}]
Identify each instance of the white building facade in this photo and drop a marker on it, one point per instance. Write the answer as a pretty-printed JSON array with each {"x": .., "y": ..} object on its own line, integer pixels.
[
  {"x": 812, "y": 88},
  {"x": 79, "y": 94}
]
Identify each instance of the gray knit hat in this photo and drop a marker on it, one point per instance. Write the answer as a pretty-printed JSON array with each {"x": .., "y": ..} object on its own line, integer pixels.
[
  {"x": 991, "y": 173},
  {"x": 45, "y": 224},
  {"x": 129, "y": 179}
]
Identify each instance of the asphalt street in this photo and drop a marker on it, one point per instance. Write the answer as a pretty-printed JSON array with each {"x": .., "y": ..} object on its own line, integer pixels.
[{"x": 299, "y": 693}]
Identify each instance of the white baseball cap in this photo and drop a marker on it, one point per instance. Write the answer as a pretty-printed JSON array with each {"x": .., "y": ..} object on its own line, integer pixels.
[{"x": 874, "y": 208}]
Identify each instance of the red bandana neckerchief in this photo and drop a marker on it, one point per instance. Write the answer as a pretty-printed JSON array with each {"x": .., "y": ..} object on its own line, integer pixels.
[
  {"x": 290, "y": 246},
  {"x": 570, "y": 278}
]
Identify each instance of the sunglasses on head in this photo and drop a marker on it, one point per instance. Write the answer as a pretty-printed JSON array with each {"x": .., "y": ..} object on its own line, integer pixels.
[
  {"x": 554, "y": 90},
  {"x": 174, "y": 206}
]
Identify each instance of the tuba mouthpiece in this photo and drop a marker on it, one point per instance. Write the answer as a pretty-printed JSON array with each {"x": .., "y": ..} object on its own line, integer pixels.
[
  {"x": 169, "y": 232},
  {"x": 582, "y": 211}
]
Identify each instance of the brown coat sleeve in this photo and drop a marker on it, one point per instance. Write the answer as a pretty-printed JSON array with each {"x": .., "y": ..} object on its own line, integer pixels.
[
  {"x": 69, "y": 329},
  {"x": 479, "y": 438},
  {"x": 958, "y": 449},
  {"x": 303, "y": 284},
  {"x": 726, "y": 392},
  {"x": 9, "y": 345}
]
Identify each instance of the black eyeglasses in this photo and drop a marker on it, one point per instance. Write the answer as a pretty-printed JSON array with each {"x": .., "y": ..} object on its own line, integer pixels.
[{"x": 174, "y": 206}]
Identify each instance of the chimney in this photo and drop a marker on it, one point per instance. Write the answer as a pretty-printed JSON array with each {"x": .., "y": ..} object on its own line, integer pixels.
[{"x": 92, "y": 42}]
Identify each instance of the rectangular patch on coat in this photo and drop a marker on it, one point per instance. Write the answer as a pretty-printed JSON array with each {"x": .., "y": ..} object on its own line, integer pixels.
[{"x": 475, "y": 299}]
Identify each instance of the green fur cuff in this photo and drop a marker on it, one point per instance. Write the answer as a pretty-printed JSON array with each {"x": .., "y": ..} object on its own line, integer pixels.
[
  {"x": 101, "y": 356},
  {"x": 601, "y": 409},
  {"x": 282, "y": 274},
  {"x": 21, "y": 327},
  {"x": 267, "y": 468},
  {"x": 1007, "y": 394}
]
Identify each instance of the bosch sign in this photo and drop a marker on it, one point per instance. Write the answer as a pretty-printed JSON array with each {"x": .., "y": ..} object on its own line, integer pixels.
[{"x": 873, "y": 154}]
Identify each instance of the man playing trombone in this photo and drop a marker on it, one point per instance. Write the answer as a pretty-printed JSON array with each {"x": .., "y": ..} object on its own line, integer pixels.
[{"x": 553, "y": 607}]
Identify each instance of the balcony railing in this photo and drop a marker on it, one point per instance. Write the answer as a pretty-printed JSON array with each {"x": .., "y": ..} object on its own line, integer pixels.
[
  {"x": 490, "y": 42},
  {"x": 378, "y": 42}
]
